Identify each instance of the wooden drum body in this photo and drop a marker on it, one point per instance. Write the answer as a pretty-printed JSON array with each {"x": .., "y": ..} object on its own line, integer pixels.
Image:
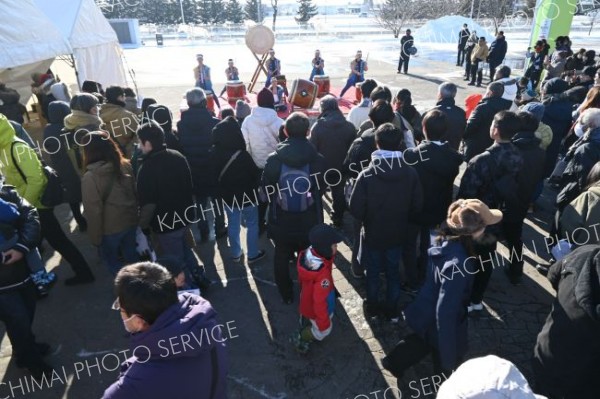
[
  {"x": 303, "y": 94},
  {"x": 210, "y": 101},
  {"x": 323, "y": 85},
  {"x": 358, "y": 92},
  {"x": 235, "y": 90}
]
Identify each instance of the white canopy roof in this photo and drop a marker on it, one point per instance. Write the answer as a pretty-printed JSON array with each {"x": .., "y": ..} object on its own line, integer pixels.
[
  {"x": 34, "y": 32},
  {"x": 80, "y": 21},
  {"x": 27, "y": 35}
]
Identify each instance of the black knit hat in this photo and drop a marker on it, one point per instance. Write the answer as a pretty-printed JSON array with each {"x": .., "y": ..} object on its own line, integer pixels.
[
  {"x": 322, "y": 237},
  {"x": 265, "y": 99}
]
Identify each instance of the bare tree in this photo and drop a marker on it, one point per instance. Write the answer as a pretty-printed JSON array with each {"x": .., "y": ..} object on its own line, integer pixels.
[
  {"x": 433, "y": 9},
  {"x": 393, "y": 14},
  {"x": 496, "y": 10}
]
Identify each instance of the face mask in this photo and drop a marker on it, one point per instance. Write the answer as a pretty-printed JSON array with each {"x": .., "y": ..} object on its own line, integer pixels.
[{"x": 125, "y": 325}]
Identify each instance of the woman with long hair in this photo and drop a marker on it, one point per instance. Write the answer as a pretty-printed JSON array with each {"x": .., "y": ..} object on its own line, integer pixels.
[
  {"x": 109, "y": 200},
  {"x": 403, "y": 106},
  {"x": 67, "y": 126}
]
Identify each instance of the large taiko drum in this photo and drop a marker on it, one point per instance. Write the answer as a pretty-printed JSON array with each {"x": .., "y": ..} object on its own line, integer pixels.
[
  {"x": 210, "y": 100},
  {"x": 323, "y": 85},
  {"x": 260, "y": 39},
  {"x": 358, "y": 91},
  {"x": 303, "y": 94},
  {"x": 235, "y": 90}
]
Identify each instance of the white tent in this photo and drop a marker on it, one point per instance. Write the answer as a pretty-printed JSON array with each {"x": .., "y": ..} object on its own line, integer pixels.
[
  {"x": 98, "y": 55},
  {"x": 29, "y": 42},
  {"x": 34, "y": 32}
]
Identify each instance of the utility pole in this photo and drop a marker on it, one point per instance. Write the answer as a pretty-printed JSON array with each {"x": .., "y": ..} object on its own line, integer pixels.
[
  {"x": 259, "y": 12},
  {"x": 182, "y": 17}
]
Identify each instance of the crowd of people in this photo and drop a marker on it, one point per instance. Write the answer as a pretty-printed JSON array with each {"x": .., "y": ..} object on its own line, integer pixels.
[{"x": 391, "y": 169}]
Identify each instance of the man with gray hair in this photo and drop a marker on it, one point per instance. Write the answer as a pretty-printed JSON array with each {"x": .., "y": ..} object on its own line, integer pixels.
[
  {"x": 510, "y": 84},
  {"x": 477, "y": 133},
  {"x": 456, "y": 117},
  {"x": 332, "y": 136},
  {"x": 195, "y": 135}
]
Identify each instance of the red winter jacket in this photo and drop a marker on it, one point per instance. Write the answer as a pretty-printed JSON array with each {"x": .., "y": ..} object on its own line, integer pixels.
[{"x": 317, "y": 295}]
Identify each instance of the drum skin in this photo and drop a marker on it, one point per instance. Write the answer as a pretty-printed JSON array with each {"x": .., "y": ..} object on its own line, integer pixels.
[
  {"x": 303, "y": 94},
  {"x": 323, "y": 85},
  {"x": 260, "y": 39}
]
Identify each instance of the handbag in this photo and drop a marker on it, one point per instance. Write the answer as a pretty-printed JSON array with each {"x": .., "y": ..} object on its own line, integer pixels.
[
  {"x": 228, "y": 164},
  {"x": 54, "y": 192},
  {"x": 408, "y": 352}
]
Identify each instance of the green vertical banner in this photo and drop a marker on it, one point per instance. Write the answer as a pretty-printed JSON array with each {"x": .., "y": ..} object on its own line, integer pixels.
[{"x": 552, "y": 18}]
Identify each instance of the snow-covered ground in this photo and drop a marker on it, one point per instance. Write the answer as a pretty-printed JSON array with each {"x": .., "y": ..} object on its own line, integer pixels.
[{"x": 171, "y": 65}]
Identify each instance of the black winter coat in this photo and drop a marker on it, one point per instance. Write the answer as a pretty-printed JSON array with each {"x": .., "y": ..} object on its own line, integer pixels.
[
  {"x": 477, "y": 133},
  {"x": 574, "y": 179},
  {"x": 359, "y": 154},
  {"x": 437, "y": 167},
  {"x": 406, "y": 42},
  {"x": 463, "y": 36},
  {"x": 532, "y": 171},
  {"x": 332, "y": 135},
  {"x": 10, "y": 106},
  {"x": 386, "y": 195},
  {"x": 195, "y": 136},
  {"x": 65, "y": 154},
  {"x": 238, "y": 185},
  {"x": 165, "y": 179},
  {"x": 287, "y": 226},
  {"x": 557, "y": 115},
  {"x": 497, "y": 52},
  {"x": 488, "y": 168},
  {"x": 457, "y": 121},
  {"x": 29, "y": 235},
  {"x": 567, "y": 352}
]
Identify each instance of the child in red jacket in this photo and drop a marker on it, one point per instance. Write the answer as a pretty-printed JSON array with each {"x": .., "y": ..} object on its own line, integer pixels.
[{"x": 317, "y": 292}]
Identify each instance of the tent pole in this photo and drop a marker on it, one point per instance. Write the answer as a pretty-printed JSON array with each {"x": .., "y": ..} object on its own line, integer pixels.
[{"x": 76, "y": 71}]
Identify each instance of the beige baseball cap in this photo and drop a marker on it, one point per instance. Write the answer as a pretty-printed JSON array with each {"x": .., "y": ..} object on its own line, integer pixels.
[{"x": 471, "y": 215}]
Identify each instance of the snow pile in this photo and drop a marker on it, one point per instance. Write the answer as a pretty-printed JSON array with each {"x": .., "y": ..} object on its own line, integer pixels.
[{"x": 447, "y": 30}]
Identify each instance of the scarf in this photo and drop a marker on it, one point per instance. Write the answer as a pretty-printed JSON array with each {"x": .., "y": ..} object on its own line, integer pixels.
[
  {"x": 380, "y": 154},
  {"x": 78, "y": 119}
]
